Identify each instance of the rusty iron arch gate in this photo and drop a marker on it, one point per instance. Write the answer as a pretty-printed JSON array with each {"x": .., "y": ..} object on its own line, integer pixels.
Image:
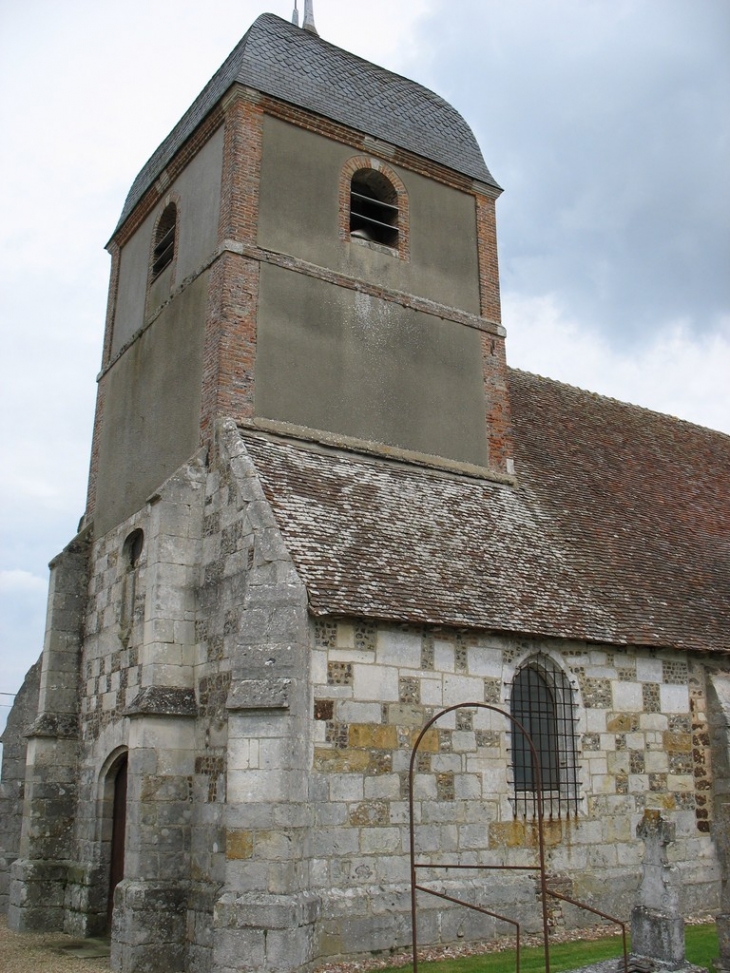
[{"x": 538, "y": 866}]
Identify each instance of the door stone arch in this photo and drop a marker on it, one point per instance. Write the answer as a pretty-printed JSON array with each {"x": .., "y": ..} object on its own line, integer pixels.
[{"x": 113, "y": 823}]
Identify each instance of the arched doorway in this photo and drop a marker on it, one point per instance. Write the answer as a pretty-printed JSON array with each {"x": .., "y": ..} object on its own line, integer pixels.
[{"x": 119, "y": 826}]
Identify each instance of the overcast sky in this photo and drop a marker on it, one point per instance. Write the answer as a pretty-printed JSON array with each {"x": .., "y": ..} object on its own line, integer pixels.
[{"x": 606, "y": 122}]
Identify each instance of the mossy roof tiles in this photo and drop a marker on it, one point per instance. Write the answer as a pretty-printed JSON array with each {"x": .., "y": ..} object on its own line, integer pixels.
[{"x": 618, "y": 530}]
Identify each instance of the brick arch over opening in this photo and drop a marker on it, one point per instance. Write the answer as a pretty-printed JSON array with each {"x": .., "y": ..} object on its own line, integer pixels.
[{"x": 356, "y": 164}]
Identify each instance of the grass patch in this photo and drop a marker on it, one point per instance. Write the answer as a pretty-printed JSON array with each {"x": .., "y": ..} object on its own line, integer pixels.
[
  {"x": 701, "y": 944},
  {"x": 701, "y": 948}
]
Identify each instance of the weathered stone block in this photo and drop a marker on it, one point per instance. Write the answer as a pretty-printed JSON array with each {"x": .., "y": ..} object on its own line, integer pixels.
[
  {"x": 658, "y": 935},
  {"x": 239, "y": 950},
  {"x": 340, "y": 761},
  {"x": 674, "y": 699},
  {"x": 259, "y": 694},
  {"x": 163, "y": 701},
  {"x": 375, "y": 933},
  {"x": 399, "y": 648},
  {"x": 373, "y": 736},
  {"x": 275, "y": 658},
  {"x": 376, "y": 683}
]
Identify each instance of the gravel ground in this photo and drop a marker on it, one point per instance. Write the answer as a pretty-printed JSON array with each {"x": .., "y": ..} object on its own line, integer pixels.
[{"x": 49, "y": 952}]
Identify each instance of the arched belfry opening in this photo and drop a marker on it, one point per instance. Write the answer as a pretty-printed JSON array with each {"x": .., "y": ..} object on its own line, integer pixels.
[
  {"x": 164, "y": 248},
  {"x": 374, "y": 208}
]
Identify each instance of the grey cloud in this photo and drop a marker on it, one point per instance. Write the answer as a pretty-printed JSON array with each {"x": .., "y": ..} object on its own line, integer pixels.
[{"x": 607, "y": 124}]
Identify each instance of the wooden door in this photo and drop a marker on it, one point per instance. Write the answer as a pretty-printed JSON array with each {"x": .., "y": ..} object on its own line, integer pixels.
[{"x": 119, "y": 823}]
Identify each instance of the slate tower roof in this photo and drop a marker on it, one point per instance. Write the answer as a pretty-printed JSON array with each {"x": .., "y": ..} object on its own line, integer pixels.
[{"x": 296, "y": 66}]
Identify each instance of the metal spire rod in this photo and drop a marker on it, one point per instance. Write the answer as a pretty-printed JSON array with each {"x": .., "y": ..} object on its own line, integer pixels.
[
  {"x": 309, "y": 16},
  {"x": 295, "y": 15}
]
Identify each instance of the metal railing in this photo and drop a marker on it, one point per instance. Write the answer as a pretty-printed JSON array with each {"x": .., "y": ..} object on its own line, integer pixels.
[{"x": 545, "y": 892}]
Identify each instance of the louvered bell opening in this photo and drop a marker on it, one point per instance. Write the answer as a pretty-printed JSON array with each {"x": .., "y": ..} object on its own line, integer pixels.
[
  {"x": 164, "y": 252},
  {"x": 373, "y": 213},
  {"x": 165, "y": 246}
]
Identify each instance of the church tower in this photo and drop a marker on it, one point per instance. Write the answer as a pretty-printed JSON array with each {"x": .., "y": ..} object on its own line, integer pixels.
[
  {"x": 305, "y": 546},
  {"x": 308, "y": 261},
  {"x": 311, "y": 251}
]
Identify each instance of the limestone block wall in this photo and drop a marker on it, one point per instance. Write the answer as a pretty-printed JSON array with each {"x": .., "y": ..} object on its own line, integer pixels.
[
  {"x": 641, "y": 743},
  {"x": 137, "y": 702},
  {"x": 192, "y": 666},
  {"x": 40, "y": 873},
  {"x": 12, "y": 778},
  {"x": 268, "y": 754},
  {"x": 253, "y": 730}
]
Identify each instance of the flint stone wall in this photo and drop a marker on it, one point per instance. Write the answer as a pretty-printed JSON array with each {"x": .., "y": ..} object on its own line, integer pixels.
[{"x": 642, "y": 743}]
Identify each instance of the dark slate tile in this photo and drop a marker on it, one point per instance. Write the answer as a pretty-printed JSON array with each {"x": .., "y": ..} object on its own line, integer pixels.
[{"x": 295, "y": 65}]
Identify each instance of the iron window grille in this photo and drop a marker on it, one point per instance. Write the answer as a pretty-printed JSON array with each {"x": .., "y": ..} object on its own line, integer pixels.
[{"x": 542, "y": 701}]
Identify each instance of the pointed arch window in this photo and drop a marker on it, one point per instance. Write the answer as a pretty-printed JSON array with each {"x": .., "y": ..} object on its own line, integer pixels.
[
  {"x": 164, "y": 249},
  {"x": 542, "y": 700}
]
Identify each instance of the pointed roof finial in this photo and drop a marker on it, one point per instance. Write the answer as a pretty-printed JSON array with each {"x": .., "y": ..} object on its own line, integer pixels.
[
  {"x": 295, "y": 15},
  {"x": 309, "y": 17}
]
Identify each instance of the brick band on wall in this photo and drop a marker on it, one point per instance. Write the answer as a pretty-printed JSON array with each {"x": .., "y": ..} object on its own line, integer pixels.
[{"x": 229, "y": 355}]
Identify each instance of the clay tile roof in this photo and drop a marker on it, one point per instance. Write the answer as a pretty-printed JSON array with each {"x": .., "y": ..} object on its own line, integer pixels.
[
  {"x": 298, "y": 67},
  {"x": 619, "y": 529}
]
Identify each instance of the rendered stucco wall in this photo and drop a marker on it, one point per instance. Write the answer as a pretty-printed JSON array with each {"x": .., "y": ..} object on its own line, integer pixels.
[
  {"x": 299, "y": 215},
  {"x": 331, "y": 358},
  {"x": 151, "y": 417},
  {"x": 197, "y": 195},
  {"x": 133, "y": 273}
]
